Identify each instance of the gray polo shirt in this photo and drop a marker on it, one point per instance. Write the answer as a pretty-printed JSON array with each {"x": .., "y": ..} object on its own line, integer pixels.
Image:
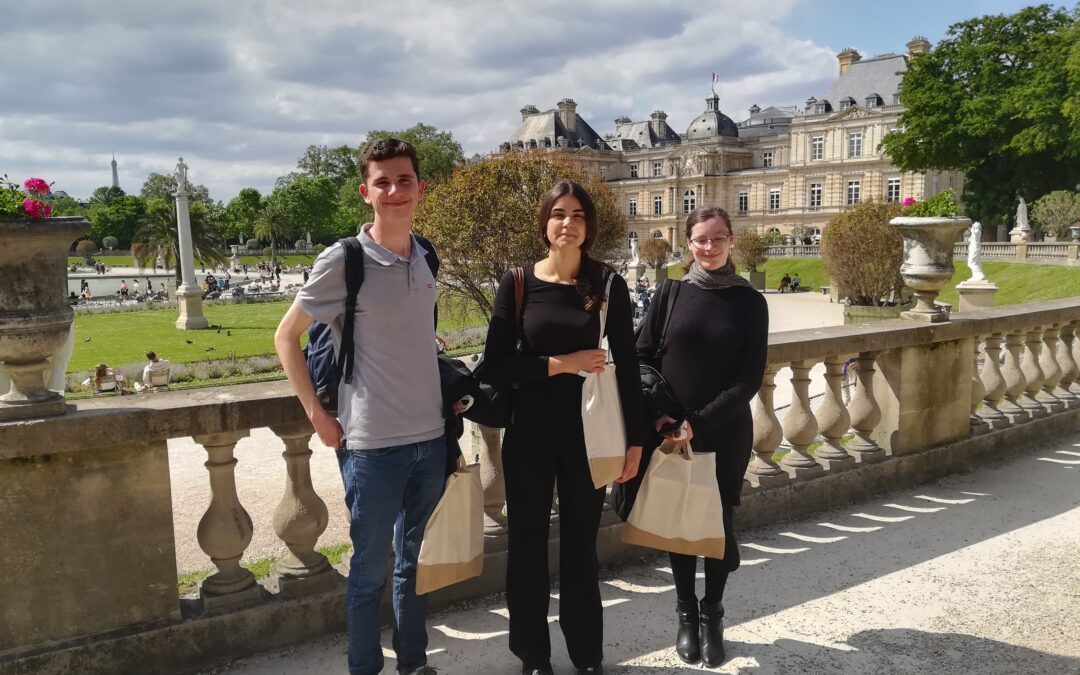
[{"x": 395, "y": 396}]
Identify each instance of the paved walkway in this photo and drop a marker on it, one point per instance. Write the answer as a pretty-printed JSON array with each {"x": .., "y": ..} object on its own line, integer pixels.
[{"x": 975, "y": 573}]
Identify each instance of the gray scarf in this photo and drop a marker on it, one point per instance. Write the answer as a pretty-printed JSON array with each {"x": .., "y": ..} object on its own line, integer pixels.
[{"x": 725, "y": 277}]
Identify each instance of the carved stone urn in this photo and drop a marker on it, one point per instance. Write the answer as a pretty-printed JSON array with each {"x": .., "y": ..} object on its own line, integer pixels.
[
  {"x": 928, "y": 260},
  {"x": 34, "y": 312}
]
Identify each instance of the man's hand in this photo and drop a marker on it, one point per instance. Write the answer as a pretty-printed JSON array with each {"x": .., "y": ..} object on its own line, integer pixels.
[
  {"x": 630, "y": 464},
  {"x": 328, "y": 429}
]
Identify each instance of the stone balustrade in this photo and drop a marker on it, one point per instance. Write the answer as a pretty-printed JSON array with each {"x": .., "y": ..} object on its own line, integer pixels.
[
  {"x": 86, "y": 511},
  {"x": 1062, "y": 253}
]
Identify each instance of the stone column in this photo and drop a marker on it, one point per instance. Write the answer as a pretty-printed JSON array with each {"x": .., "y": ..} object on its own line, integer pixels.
[
  {"x": 834, "y": 420},
  {"x": 1033, "y": 375},
  {"x": 993, "y": 384},
  {"x": 188, "y": 295},
  {"x": 300, "y": 519},
  {"x": 800, "y": 427},
  {"x": 976, "y": 295},
  {"x": 1069, "y": 369},
  {"x": 762, "y": 471},
  {"x": 1051, "y": 370},
  {"x": 978, "y": 426},
  {"x": 865, "y": 413},
  {"x": 1014, "y": 380},
  {"x": 225, "y": 529},
  {"x": 1075, "y": 386}
]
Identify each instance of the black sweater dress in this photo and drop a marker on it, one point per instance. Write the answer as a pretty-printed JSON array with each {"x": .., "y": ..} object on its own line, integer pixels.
[{"x": 714, "y": 358}]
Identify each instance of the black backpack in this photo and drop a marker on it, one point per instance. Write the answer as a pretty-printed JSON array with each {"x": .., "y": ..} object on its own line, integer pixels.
[{"x": 324, "y": 366}]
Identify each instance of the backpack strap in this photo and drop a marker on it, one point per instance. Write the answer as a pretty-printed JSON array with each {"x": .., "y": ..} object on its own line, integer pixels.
[
  {"x": 354, "y": 278},
  {"x": 433, "y": 263}
]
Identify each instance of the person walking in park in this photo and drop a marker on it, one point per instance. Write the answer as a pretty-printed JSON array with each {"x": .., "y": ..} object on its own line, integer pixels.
[
  {"x": 389, "y": 431},
  {"x": 713, "y": 357},
  {"x": 123, "y": 290},
  {"x": 544, "y": 446}
]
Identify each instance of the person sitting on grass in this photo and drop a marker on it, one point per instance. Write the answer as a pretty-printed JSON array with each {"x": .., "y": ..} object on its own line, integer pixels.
[{"x": 156, "y": 370}]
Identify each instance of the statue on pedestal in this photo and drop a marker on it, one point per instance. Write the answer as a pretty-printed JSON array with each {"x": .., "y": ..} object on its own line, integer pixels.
[
  {"x": 180, "y": 175},
  {"x": 635, "y": 253},
  {"x": 974, "y": 253}
]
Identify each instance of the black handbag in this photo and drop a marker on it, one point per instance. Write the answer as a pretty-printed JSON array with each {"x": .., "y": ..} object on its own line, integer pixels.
[{"x": 494, "y": 407}]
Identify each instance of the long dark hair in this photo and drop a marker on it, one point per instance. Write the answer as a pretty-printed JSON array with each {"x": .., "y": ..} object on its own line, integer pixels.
[
  {"x": 700, "y": 215},
  {"x": 590, "y": 278}
]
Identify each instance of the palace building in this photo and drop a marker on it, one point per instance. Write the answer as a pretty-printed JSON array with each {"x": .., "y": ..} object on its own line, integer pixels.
[{"x": 779, "y": 168}]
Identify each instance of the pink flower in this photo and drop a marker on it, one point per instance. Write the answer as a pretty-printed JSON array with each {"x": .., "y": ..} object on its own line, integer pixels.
[
  {"x": 36, "y": 186},
  {"x": 48, "y": 210},
  {"x": 909, "y": 201},
  {"x": 33, "y": 208}
]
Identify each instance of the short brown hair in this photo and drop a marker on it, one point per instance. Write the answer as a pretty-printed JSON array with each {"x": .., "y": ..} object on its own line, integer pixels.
[{"x": 387, "y": 148}]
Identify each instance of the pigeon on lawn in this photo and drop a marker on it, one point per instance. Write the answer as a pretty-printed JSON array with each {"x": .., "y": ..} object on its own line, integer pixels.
[
  {"x": 88, "y": 339},
  {"x": 189, "y": 341}
]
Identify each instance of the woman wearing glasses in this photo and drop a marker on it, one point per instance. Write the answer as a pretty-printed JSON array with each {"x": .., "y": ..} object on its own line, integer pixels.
[
  {"x": 714, "y": 358},
  {"x": 545, "y": 445}
]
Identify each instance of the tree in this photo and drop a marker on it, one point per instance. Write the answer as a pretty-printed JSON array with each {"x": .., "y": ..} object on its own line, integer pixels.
[
  {"x": 141, "y": 253},
  {"x": 109, "y": 242},
  {"x": 106, "y": 194},
  {"x": 655, "y": 252},
  {"x": 750, "y": 249},
  {"x": 1056, "y": 211},
  {"x": 437, "y": 150},
  {"x": 273, "y": 224},
  {"x": 116, "y": 215},
  {"x": 242, "y": 212},
  {"x": 164, "y": 187},
  {"x": 86, "y": 248},
  {"x": 307, "y": 203},
  {"x": 66, "y": 206},
  {"x": 321, "y": 161},
  {"x": 994, "y": 101},
  {"x": 862, "y": 254},
  {"x": 351, "y": 210},
  {"x": 158, "y": 231},
  {"x": 482, "y": 220}
]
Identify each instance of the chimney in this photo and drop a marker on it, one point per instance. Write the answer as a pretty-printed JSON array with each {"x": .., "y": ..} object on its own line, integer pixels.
[
  {"x": 918, "y": 45},
  {"x": 528, "y": 110},
  {"x": 846, "y": 58},
  {"x": 754, "y": 109},
  {"x": 658, "y": 124},
  {"x": 568, "y": 114}
]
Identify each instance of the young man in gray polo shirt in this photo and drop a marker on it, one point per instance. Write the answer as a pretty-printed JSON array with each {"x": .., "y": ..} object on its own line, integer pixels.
[{"x": 389, "y": 434}]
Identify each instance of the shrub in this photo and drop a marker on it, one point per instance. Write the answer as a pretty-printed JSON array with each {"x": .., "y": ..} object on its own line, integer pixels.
[
  {"x": 253, "y": 244},
  {"x": 301, "y": 244},
  {"x": 110, "y": 242},
  {"x": 1054, "y": 212},
  {"x": 268, "y": 252},
  {"x": 862, "y": 254},
  {"x": 655, "y": 252},
  {"x": 750, "y": 250},
  {"x": 774, "y": 238},
  {"x": 319, "y": 248},
  {"x": 86, "y": 249},
  {"x": 941, "y": 205}
]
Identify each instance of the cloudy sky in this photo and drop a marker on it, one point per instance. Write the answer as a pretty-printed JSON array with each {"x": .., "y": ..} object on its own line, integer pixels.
[{"x": 239, "y": 88}]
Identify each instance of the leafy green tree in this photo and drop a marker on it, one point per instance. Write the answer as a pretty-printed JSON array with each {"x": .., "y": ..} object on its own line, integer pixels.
[
  {"x": 750, "y": 249},
  {"x": 116, "y": 215},
  {"x": 321, "y": 161},
  {"x": 437, "y": 150},
  {"x": 241, "y": 213},
  {"x": 164, "y": 187},
  {"x": 482, "y": 220},
  {"x": 106, "y": 194},
  {"x": 994, "y": 101},
  {"x": 109, "y": 243},
  {"x": 67, "y": 206},
  {"x": 274, "y": 224},
  {"x": 1054, "y": 212},
  {"x": 307, "y": 203},
  {"x": 158, "y": 232},
  {"x": 351, "y": 210},
  {"x": 86, "y": 248}
]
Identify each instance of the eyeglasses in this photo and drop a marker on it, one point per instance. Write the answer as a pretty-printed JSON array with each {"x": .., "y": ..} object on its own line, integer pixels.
[{"x": 703, "y": 242}]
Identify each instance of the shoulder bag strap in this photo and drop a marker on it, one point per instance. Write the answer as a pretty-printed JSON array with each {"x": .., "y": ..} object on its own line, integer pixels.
[
  {"x": 604, "y": 307},
  {"x": 670, "y": 292}
]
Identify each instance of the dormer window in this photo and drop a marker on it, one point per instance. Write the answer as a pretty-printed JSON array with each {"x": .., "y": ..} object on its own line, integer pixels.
[
  {"x": 873, "y": 101},
  {"x": 846, "y": 102}
]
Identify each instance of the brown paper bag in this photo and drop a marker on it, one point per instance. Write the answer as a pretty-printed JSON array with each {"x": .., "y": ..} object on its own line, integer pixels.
[
  {"x": 453, "y": 546},
  {"x": 678, "y": 507}
]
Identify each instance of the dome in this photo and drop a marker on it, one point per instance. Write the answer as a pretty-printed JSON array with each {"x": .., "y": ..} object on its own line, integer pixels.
[{"x": 711, "y": 123}]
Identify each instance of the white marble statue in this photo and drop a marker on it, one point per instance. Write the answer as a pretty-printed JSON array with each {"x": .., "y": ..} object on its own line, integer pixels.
[
  {"x": 1022, "y": 216},
  {"x": 635, "y": 253},
  {"x": 180, "y": 175},
  {"x": 974, "y": 253}
]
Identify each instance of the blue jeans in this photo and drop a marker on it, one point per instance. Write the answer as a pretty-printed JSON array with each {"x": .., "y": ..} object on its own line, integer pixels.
[{"x": 390, "y": 493}]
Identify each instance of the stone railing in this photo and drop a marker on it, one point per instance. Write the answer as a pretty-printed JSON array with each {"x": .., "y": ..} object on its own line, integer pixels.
[
  {"x": 86, "y": 508},
  {"x": 796, "y": 251},
  {"x": 1062, "y": 253}
]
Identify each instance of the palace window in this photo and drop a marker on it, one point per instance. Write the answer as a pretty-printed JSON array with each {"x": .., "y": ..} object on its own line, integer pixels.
[
  {"x": 657, "y": 169},
  {"x": 634, "y": 170},
  {"x": 657, "y": 205},
  {"x": 630, "y": 239},
  {"x": 632, "y": 206},
  {"x": 853, "y": 192},
  {"x": 892, "y": 191},
  {"x": 603, "y": 173},
  {"x": 744, "y": 201},
  {"x": 689, "y": 201},
  {"x": 814, "y": 200},
  {"x": 854, "y": 144},
  {"x": 817, "y": 147},
  {"x": 766, "y": 159},
  {"x": 774, "y": 199}
]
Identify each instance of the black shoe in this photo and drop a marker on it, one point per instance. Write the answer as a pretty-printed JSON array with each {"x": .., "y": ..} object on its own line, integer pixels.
[
  {"x": 537, "y": 670},
  {"x": 712, "y": 633},
  {"x": 687, "y": 641},
  {"x": 592, "y": 670}
]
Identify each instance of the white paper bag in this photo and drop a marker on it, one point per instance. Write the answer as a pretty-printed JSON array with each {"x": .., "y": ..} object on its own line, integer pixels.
[
  {"x": 453, "y": 546},
  {"x": 601, "y": 416}
]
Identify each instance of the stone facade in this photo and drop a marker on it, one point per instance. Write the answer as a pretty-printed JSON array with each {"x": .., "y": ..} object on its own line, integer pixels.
[{"x": 778, "y": 168}]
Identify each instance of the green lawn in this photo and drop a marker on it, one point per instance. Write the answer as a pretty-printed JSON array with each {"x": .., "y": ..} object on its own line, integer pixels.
[{"x": 249, "y": 260}]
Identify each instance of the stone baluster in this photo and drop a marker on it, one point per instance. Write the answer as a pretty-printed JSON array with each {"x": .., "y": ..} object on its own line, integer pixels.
[
  {"x": 1051, "y": 370},
  {"x": 225, "y": 529},
  {"x": 800, "y": 427},
  {"x": 300, "y": 519},
  {"x": 993, "y": 383},
  {"x": 1014, "y": 380},
  {"x": 1069, "y": 368},
  {"x": 1033, "y": 374},
  {"x": 833, "y": 418},
  {"x": 1075, "y": 386},
  {"x": 978, "y": 391},
  {"x": 763, "y": 471},
  {"x": 865, "y": 413}
]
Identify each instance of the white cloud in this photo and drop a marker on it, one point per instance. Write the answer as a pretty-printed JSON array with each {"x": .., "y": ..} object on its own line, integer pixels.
[{"x": 240, "y": 89}]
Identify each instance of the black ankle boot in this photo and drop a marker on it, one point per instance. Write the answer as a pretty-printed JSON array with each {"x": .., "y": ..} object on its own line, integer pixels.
[
  {"x": 687, "y": 642},
  {"x": 712, "y": 633}
]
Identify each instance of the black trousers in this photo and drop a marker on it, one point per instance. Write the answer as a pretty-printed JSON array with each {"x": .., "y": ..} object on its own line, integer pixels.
[
  {"x": 536, "y": 458},
  {"x": 684, "y": 567}
]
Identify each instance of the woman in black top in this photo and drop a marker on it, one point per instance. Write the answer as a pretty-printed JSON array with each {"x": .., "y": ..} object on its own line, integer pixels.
[
  {"x": 714, "y": 358},
  {"x": 544, "y": 445}
]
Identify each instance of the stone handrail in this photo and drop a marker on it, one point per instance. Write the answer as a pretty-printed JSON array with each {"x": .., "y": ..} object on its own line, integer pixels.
[
  {"x": 916, "y": 386},
  {"x": 1053, "y": 252}
]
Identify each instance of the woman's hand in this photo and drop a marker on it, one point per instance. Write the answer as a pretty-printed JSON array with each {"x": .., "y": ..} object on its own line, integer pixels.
[
  {"x": 587, "y": 360},
  {"x": 328, "y": 429},
  {"x": 630, "y": 464},
  {"x": 676, "y": 434}
]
